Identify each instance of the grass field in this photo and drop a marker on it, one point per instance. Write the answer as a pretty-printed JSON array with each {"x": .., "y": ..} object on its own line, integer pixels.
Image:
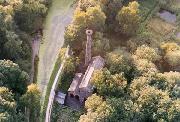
[
  {"x": 176, "y": 3},
  {"x": 160, "y": 27},
  {"x": 59, "y": 16},
  {"x": 175, "y": 6},
  {"x": 161, "y": 31}
]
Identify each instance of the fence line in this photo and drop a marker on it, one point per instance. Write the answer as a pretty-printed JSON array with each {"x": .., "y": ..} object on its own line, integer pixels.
[{"x": 54, "y": 86}]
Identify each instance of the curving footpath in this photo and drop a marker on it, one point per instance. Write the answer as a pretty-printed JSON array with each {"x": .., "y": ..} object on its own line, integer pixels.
[{"x": 59, "y": 16}]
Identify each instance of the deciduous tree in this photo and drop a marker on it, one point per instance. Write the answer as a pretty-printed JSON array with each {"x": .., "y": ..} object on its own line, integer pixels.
[
  {"x": 107, "y": 84},
  {"x": 31, "y": 11},
  {"x": 93, "y": 19},
  {"x": 171, "y": 53},
  {"x": 31, "y": 100},
  {"x": 13, "y": 77},
  {"x": 100, "y": 44},
  {"x": 129, "y": 19},
  {"x": 111, "y": 9},
  {"x": 148, "y": 53},
  {"x": 120, "y": 61},
  {"x": 7, "y": 105},
  {"x": 83, "y": 5},
  {"x": 99, "y": 112}
]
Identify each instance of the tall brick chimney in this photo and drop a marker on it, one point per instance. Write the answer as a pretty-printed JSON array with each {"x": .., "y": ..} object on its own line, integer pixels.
[{"x": 88, "y": 47}]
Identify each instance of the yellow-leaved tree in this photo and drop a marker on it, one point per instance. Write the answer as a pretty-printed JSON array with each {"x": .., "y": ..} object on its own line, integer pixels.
[
  {"x": 31, "y": 100},
  {"x": 129, "y": 19}
]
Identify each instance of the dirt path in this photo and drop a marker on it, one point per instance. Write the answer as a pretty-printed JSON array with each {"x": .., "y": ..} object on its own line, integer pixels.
[
  {"x": 59, "y": 16},
  {"x": 35, "y": 48}
]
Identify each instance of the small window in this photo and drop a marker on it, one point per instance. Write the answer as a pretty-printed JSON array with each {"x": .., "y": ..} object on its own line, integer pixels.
[
  {"x": 71, "y": 95},
  {"x": 77, "y": 97}
]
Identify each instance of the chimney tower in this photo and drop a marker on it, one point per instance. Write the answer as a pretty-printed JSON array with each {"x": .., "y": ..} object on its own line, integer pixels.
[{"x": 88, "y": 47}]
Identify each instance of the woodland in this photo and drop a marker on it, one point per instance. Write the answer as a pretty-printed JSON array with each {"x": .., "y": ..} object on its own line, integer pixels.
[{"x": 141, "y": 78}]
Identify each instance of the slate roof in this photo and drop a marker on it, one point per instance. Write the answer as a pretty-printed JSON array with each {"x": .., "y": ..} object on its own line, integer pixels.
[
  {"x": 75, "y": 82},
  {"x": 97, "y": 63},
  {"x": 60, "y": 98}
]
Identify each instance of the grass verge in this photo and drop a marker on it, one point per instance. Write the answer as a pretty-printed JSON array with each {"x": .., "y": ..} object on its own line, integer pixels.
[
  {"x": 49, "y": 86},
  {"x": 57, "y": 65}
]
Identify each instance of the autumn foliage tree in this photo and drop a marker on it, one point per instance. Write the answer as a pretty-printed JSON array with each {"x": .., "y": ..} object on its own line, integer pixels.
[
  {"x": 83, "y": 5},
  {"x": 31, "y": 100},
  {"x": 171, "y": 54},
  {"x": 108, "y": 84},
  {"x": 148, "y": 53},
  {"x": 7, "y": 105},
  {"x": 97, "y": 110},
  {"x": 10, "y": 42},
  {"x": 129, "y": 19},
  {"x": 144, "y": 60},
  {"x": 17, "y": 16},
  {"x": 93, "y": 19},
  {"x": 100, "y": 44},
  {"x": 109, "y": 7},
  {"x": 13, "y": 46},
  {"x": 120, "y": 61},
  {"x": 154, "y": 97},
  {"x": 133, "y": 86}
]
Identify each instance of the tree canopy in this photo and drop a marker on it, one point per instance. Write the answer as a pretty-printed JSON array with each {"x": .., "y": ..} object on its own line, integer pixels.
[
  {"x": 108, "y": 84},
  {"x": 18, "y": 19},
  {"x": 129, "y": 19},
  {"x": 12, "y": 77},
  {"x": 30, "y": 13},
  {"x": 93, "y": 19},
  {"x": 171, "y": 54},
  {"x": 140, "y": 80},
  {"x": 31, "y": 100},
  {"x": 7, "y": 105}
]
